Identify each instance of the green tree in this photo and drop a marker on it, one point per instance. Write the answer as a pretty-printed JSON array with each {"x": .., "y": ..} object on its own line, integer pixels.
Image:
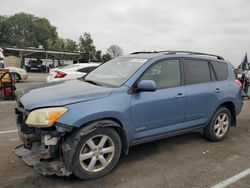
[
  {"x": 106, "y": 57},
  {"x": 98, "y": 55},
  {"x": 70, "y": 45},
  {"x": 87, "y": 47},
  {"x": 57, "y": 44},
  {"x": 26, "y": 30}
]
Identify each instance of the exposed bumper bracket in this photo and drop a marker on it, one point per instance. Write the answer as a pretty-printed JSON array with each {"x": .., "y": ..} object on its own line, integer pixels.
[{"x": 43, "y": 167}]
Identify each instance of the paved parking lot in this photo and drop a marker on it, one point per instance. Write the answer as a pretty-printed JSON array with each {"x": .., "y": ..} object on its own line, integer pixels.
[{"x": 182, "y": 161}]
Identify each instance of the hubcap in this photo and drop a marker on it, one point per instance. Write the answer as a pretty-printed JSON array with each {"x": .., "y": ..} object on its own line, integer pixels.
[
  {"x": 97, "y": 153},
  {"x": 221, "y": 125}
]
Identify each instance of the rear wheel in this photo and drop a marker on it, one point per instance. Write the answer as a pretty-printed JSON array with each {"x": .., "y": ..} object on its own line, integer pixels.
[
  {"x": 219, "y": 126},
  {"x": 96, "y": 153}
]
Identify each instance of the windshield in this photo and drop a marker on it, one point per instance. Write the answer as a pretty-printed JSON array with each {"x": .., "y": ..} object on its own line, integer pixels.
[{"x": 115, "y": 72}]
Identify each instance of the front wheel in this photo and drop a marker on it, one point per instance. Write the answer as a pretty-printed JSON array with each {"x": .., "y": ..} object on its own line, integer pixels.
[
  {"x": 219, "y": 126},
  {"x": 96, "y": 153},
  {"x": 16, "y": 77}
]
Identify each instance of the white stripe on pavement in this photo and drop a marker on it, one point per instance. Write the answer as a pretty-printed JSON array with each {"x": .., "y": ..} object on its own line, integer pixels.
[
  {"x": 11, "y": 131},
  {"x": 232, "y": 180}
]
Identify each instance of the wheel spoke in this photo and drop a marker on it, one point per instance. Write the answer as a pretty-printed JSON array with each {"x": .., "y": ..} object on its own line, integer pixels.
[
  {"x": 110, "y": 149},
  {"x": 103, "y": 161},
  {"x": 225, "y": 123},
  {"x": 91, "y": 144},
  {"x": 218, "y": 131},
  {"x": 222, "y": 130},
  {"x": 86, "y": 156},
  {"x": 216, "y": 126},
  {"x": 102, "y": 141},
  {"x": 223, "y": 117},
  {"x": 92, "y": 164}
]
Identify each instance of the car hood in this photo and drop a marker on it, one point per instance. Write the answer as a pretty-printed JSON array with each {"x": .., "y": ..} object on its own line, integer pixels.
[{"x": 61, "y": 94}]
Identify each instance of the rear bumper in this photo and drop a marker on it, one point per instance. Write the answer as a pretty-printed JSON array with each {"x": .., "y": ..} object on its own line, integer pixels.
[{"x": 239, "y": 107}]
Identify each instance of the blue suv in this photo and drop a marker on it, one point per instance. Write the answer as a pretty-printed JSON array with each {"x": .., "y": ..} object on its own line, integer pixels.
[{"x": 81, "y": 126}]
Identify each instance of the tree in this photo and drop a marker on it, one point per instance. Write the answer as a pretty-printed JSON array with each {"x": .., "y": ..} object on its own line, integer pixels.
[
  {"x": 98, "y": 55},
  {"x": 87, "y": 47},
  {"x": 26, "y": 30},
  {"x": 70, "y": 45},
  {"x": 106, "y": 57},
  {"x": 58, "y": 44},
  {"x": 114, "y": 51}
]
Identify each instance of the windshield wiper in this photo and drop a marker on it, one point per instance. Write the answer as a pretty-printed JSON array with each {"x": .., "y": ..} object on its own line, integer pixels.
[{"x": 93, "y": 82}]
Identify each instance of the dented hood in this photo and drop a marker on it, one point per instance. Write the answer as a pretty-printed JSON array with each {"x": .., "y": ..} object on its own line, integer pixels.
[{"x": 62, "y": 93}]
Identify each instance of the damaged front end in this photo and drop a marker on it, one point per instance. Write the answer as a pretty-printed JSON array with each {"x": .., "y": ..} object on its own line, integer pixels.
[{"x": 41, "y": 147}]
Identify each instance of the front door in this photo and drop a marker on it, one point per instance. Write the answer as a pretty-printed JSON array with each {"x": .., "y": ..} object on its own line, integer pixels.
[{"x": 161, "y": 111}]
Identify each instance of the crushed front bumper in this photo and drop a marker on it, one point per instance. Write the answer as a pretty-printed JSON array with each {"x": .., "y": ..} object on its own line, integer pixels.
[
  {"x": 33, "y": 157},
  {"x": 41, "y": 148}
]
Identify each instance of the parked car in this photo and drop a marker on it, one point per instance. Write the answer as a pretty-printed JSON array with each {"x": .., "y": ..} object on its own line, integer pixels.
[
  {"x": 81, "y": 126},
  {"x": 71, "y": 71},
  {"x": 18, "y": 73},
  {"x": 35, "y": 65}
]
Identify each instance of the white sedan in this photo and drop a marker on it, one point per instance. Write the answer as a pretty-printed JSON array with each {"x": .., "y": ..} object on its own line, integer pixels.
[
  {"x": 18, "y": 73},
  {"x": 70, "y": 72}
]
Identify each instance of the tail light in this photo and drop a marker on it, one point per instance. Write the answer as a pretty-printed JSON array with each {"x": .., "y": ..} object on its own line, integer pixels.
[
  {"x": 238, "y": 83},
  {"x": 60, "y": 74}
]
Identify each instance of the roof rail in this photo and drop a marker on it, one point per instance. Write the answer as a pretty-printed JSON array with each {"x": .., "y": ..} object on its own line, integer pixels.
[
  {"x": 182, "y": 52},
  {"x": 144, "y": 52}
]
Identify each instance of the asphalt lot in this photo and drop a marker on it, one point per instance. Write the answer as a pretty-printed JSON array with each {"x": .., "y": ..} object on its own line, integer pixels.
[{"x": 182, "y": 161}]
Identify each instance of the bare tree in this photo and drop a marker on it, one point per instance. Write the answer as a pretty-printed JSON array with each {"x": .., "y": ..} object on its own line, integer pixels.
[{"x": 114, "y": 51}]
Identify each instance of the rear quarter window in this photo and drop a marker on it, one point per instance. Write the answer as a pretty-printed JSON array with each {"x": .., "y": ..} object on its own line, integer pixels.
[
  {"x": 221, "y": 70},
  {"x": 87, "y": 69}
]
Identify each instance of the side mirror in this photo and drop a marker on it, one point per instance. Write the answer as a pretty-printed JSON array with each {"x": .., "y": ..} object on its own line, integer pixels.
[{"x": 146, "y": 85}]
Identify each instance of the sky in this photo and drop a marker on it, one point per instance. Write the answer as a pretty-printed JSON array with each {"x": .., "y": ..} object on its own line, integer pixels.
[{"x": 213, "y": 26}]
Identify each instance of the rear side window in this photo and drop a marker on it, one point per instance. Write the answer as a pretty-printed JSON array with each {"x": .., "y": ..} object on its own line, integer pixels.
[
  {"x": 196, "y": 71},
  {"x": 86, "y": 69},
  {"x": 220, "y": 70}
]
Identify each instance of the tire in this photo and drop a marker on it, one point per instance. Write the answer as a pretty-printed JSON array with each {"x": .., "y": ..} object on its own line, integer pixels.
[
  {"x": 16, "y": 77},
  {"x": 83, "y": 168},
  {"x": 219, "y": 126}
]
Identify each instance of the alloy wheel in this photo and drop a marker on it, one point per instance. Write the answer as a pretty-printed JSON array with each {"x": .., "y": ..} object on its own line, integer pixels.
[
  {"x": 97, "y": 153},
  {"x": 221, "y": 125}
]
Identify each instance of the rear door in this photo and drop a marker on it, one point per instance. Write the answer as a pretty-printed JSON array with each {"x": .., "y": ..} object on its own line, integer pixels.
[{"x": 203, "y": 91}]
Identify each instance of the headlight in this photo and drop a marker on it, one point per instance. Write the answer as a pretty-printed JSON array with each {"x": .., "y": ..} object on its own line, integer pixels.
[{"x": 45, "y": 117}]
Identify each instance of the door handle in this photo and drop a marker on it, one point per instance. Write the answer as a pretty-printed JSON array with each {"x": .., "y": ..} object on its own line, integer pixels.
[
  {"x": 180, "y": 95},
  {"x": 218, "y": 90}
]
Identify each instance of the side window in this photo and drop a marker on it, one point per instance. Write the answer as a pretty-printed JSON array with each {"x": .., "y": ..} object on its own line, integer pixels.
[
  {"x": 221, "y": 70},
  {"x": 86, "y": 69},
  {"x": 196, "y": 71},
  {"x": 165, "y": 74}
]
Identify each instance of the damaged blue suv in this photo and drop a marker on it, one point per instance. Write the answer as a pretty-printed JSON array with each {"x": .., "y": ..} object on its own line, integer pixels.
[{"x": 81, "y": 126}]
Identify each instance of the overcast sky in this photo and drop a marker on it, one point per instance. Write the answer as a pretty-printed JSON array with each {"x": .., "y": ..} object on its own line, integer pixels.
[{"x": 215, "y": 26}]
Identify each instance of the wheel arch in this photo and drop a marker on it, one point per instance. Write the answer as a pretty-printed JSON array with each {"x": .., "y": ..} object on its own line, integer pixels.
[
  {"x": 231, "y": 107},
  {"x": 71, "y": 141}
]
